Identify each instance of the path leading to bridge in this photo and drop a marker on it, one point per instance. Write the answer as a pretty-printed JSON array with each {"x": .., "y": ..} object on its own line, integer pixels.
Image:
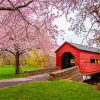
[{"x": 16, "y": 81}]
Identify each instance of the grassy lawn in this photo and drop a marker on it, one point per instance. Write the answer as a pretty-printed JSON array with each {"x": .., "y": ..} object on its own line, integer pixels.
[
  {"x": 51, "y": 90},
  {"x": 8, "y": 71}
]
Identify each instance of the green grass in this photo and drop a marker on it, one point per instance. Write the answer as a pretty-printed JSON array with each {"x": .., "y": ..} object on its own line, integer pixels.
[
  {"x": 8, "y": 71},
  {"x": 52, "y": 90}
]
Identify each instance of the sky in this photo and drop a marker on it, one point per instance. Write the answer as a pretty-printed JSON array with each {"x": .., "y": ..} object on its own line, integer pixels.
[{"x": 70, "y": 35}]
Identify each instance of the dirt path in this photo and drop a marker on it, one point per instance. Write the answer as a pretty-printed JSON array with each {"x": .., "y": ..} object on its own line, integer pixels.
[{"x": 16, "y": 81}]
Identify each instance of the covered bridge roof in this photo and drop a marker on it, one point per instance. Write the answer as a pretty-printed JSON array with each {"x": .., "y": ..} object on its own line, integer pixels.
[{"x": 82, "y": 47}]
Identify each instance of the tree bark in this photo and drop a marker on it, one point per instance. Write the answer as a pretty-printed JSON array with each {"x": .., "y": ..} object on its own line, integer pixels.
[{"x": 17, "y": 63}]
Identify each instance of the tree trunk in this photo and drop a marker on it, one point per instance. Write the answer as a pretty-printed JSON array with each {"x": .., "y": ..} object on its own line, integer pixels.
[{"x": 17, "y": 63}]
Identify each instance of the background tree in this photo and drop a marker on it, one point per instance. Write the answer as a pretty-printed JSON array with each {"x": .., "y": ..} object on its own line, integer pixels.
[
  {"x": 40, "y": 59},
  {"x": 87, "y": 12}
]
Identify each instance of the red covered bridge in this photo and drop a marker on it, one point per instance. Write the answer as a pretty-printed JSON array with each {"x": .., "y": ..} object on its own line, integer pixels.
[{"x": 71, "y": 54}]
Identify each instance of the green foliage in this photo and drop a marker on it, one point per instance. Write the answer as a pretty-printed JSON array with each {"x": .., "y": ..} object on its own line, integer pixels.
[
  {"x": 38, "y": 59},
  {"x": 35, "y": 58},
  {"x": 55, "y": 90},
  {"x": 8, "y": 71}
]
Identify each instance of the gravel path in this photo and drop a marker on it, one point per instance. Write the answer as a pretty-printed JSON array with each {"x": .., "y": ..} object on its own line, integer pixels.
[{"x": 16, "y": 81}]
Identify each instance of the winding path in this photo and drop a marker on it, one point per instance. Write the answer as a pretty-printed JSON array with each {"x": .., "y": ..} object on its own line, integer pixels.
[{"x": 16, "y": 81}]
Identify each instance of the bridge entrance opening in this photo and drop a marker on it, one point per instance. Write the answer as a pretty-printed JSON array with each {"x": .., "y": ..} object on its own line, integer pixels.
[{"x": 68, "y": 60}]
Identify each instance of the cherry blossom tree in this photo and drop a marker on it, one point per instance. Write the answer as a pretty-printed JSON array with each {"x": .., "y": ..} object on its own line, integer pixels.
[
  {"x": 26, "y": 25},
  {"x": 24, "y": 41}
]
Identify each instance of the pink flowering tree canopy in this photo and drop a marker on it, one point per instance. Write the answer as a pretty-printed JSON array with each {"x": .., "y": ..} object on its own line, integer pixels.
[{"x": 26, "y": 25}]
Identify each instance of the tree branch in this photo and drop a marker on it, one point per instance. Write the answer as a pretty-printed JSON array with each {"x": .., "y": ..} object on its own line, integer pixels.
[
  {"x": 9, "y": 51},
  {"x": 1, "y": 1},
  {"x": 17, "y": 7},
  {"x": 88, "y": 33}
]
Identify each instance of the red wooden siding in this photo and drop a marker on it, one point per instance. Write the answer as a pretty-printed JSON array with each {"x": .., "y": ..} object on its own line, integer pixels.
[
  {"x": 86, "y": 66},
  {"x": 67, "y": 48},
  {"x": 82, "y": 58}
]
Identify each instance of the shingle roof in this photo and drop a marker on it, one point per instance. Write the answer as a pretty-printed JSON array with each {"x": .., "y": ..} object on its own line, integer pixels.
[
  {"x": 85, "y": 48},
  {"x": 82, "y": 47}
]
